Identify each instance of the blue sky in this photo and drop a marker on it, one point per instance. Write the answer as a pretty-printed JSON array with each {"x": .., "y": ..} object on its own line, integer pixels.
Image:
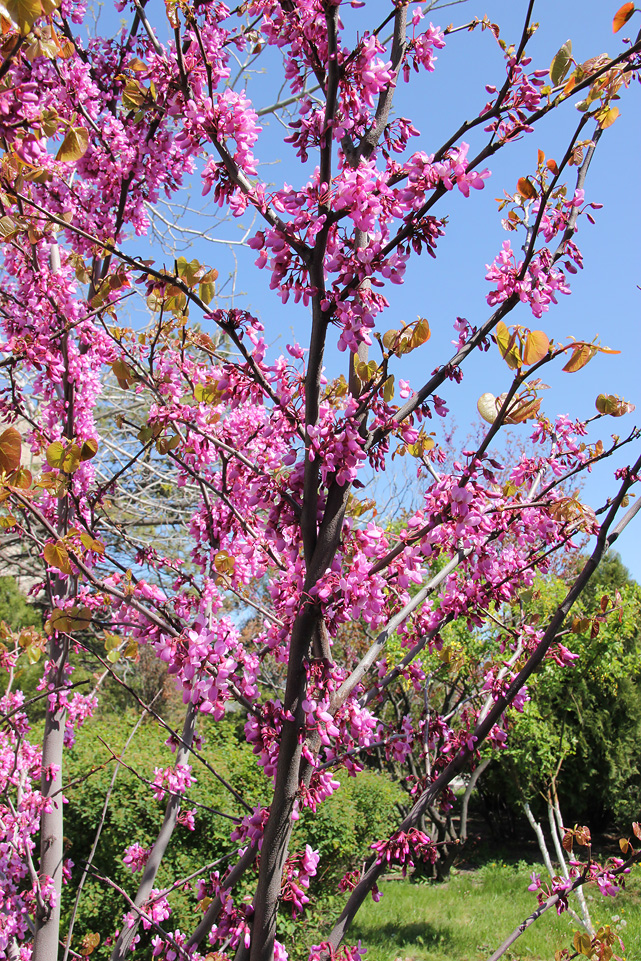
[{"x": 605, "y": 299}]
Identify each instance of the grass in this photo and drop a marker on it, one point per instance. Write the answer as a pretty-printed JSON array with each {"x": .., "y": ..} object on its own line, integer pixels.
[{"x": 469, "y": 917}]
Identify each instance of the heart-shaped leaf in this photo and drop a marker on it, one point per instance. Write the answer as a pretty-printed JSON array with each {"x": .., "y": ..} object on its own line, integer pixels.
[
  {"x": 622, "y": 16},
  {"x": 10, "y": 449}
]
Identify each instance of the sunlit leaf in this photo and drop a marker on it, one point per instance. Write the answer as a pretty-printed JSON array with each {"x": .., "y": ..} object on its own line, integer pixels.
[
  {"x": 486, "y": 406},
  {"x": 607, "y": 119},
  {"x": 92, "y": 544},
  {"x": 507, "y": 344},
  {"x": 622, "y": 16},
  {"x": 10, "y": 449},
  {"x": 613, "y": 405},
  {"x": 89, "y": 449},
  {"x": 389, "y": 339},
  {"x": 526, "y": 188},
  {"x": 88, "y": 944},
  {"x": 123, "y": 373},
  {"x": 56, "y": 555},
  {"x": 23, "y": 13},
  {"x": 388, "y": 389},
  {"x": 131, "y": 650},
  {"x": 133, "y": 95},
  {"x": 9, "y": 229},
  {"x": 112, "y": 641},
  {"x": 205, "y": 394},
  {"x": 21, "y": 478},
  {"x": 536, "y": 347},
  {"x": 561, "y": 63},
  {"x": 74, "y": 146},
  {"x": 70, "y": 619},
  {"x": 581, "y": 355},
  {"x": 421, "y": 333},
  {"x": 206, "y": 292},
  {"x": 66, "y": 459},
  {"x": 224, "y": 563}
]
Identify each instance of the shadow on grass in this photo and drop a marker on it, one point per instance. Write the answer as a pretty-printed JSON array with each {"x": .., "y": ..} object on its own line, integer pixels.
[{"x": 400, "y": 935}]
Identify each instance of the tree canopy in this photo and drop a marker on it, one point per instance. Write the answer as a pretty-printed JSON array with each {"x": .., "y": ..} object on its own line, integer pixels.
[{"x": 168, "y": 471}]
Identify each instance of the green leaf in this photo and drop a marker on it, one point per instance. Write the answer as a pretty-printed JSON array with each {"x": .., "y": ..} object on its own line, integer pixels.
[
  {"x": 507, "y": 346},
  {"x": 24, "y": 13},
  {"x": 207, "y": 394},
  {"x": 89, "y": 448},
  {"x": 74, "y": 146},
  {"x": 224, "y": 563},
  {"x": 70, "y": 619},
  {"x": 66, "y": 459},
  {"x": 613, "y": 405},
  {"x": 133, "y": 95},
  {"x": 206, "y": 292},
  {"x": 124, "y": 374},
  {"x": 56, "y": 556},
  {"x": 9, "y": 229},
  {"x": 561, "y": 63},
  {"x": 165, "y": 444},
  {"x": 389, "y": 339},
  {"x": 92, "y": 544}
]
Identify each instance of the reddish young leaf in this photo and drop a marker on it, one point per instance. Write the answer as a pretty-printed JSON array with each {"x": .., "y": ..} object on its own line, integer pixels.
[
  {"x": 608, "y": 118},
  {"x": 10, "y": 449},
  {"x": 526, "y": 188},
  {"x": 622, "y": 16},
  {"x": 536, "y": 347},
  {"x": 581, "y": 355}
]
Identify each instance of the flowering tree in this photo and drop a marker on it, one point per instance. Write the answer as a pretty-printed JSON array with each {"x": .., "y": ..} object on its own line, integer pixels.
[{"x": 272, "y": 449}]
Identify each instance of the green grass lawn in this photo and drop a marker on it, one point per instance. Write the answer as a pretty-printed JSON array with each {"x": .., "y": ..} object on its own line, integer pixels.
[{"x": 469, "y": 917}]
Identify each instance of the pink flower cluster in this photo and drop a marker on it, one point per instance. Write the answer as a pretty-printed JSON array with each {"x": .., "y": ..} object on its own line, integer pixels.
[
  {"x": 538, "y": 287},
  {"x": 299, "y": 870},
  {"x": 403, "y": 846}
]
